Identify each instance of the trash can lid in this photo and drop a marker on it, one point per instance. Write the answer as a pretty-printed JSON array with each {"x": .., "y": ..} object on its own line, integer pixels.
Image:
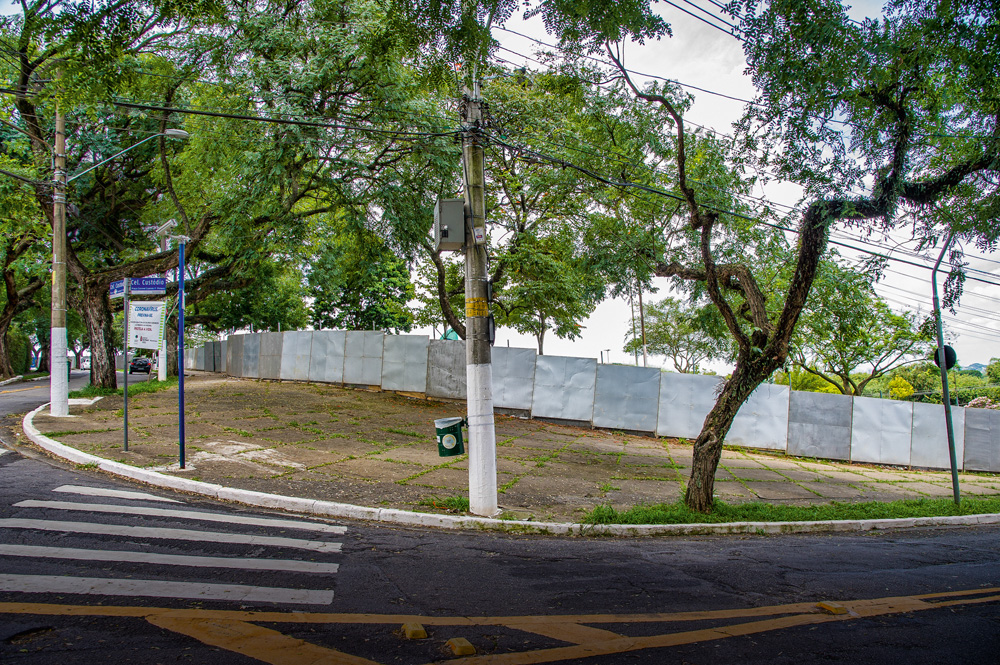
[{"x": 443, "y": 423}]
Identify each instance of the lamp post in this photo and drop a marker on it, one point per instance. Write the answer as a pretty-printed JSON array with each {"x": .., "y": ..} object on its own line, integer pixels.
[{"x": 59, "y": 380}]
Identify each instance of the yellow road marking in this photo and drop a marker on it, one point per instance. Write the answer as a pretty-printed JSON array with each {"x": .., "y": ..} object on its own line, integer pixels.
[
  {"x": 263, "y": 644},
  {"x": 21, "y": 390},
  {"x": 236, "y": 630}
]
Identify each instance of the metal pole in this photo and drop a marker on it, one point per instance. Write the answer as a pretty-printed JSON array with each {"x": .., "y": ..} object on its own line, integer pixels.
[
  {"x": 58, "y": 380},
  {"x": 478, "y": 356},
  {"x": 180, "y": 345},
  {"x": 161, "y": 367},
  {"x": 128, "y": 284},
  {"x": 642, "y": 326},
  {"x": 944, "y": 375}
]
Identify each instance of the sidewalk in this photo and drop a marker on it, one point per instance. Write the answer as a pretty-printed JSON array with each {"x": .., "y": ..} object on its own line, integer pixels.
[{"x": 378, "y": 449}]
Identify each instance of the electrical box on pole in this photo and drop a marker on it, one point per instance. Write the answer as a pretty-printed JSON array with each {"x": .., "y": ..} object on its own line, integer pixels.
[{"x": 449, "y": 225}]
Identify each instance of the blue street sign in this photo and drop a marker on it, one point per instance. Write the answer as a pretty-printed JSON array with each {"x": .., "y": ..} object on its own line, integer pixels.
[
  {"x": 117, "y": 289},
  {"x": 148, "y": 286}
]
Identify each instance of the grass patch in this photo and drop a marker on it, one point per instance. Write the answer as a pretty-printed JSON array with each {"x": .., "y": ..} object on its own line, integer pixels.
[
  {"x": 459, "y": 504},
  {"x": 678, "y": 513},
  {"x": 140, "y": 388},
  {"x": 404, "y": 432}
]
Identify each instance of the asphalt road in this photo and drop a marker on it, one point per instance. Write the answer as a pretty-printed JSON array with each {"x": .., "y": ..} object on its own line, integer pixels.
[{"x": 88, "y": 575}]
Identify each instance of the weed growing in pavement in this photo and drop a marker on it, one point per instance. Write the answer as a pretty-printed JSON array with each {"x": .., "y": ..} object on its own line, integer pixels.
[
  {"x": 678, "y": 513},
  {"x": 88, "y": 465},
  {"x": 404, "y": 432},
  {"x": 458, "y": 504}
]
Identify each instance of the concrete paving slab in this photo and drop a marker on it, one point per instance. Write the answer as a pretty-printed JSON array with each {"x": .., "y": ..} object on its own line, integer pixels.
[
  {"x": 756, "y": 474},
  {"x": 833, "y": 490},
  {"x": 779, "y": 491}
]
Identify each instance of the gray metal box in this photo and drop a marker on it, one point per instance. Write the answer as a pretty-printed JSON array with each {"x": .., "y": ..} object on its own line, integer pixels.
[{"x": 449, "y": 225}]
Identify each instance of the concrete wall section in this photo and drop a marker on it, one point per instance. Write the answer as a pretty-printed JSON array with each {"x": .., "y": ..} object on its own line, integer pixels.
[
  {"x": 929, "y": 446},
  {"x": 296, "y": 348},
  {"x": 326, "y": 360},
  {"x": 762, "y": 421},
  {"x": 564, "y": 388},
  {"x": 404, "y": 363},
  {"x": 982, "y": 440},
  {"x": 234, "y": 355},
  {"x": 880, "y": 431},
  {"x": 216, "y": 356},
  {"x": 446, "y": 376},
  {"x": 819, "y": 425},
  {"x": 513, "y": 378},
  {"x": 363, "y": 357},
  {"x": 199, "y": 357},
  {"x": 251, "y": 356},
  {"x": 223, "y": 361},
  {"x": 685, "y": 400},
  {"x": 627, "y": 398},
  {"x": 270, "y": 355},
  {"x": 208, "y": 357}
]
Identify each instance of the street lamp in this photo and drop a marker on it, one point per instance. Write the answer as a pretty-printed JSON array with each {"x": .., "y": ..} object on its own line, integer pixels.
[{"x": 59, "y": 381}]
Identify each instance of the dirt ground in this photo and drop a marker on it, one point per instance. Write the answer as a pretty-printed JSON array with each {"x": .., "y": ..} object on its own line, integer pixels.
[{"x": 379, "y": 449}]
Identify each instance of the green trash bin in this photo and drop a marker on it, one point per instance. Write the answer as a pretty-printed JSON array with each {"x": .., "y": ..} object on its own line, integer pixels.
[{"x": 449, "y": 435}]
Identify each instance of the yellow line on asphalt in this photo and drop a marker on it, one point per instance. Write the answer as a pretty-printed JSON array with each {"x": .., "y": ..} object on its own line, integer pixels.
[
  {"x": 236, "y": 630},
  {"x": 21, "y": 390}
]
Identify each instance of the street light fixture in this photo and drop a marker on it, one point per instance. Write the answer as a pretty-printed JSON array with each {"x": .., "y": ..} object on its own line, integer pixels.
[{"x": 59, "y": 381}]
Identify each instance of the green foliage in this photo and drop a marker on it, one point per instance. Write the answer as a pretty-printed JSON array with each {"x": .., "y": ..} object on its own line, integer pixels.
[
  {"x": 686, "y": 334},
  {"x": 272, "y": 301},
  {"x": 358, "y": 283},
  {"x": 140, "y": 388},
  {"x": 899, "y": 388},
  {"x": 678, "y": 513},
  {"x": 993, "y": 371},
  {"x": 797, "y": 378}
]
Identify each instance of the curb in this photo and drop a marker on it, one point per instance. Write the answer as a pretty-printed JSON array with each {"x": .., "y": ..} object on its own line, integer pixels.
[
  {"x": 12, "y": 379},
  {"x": 408, "y": 518}
]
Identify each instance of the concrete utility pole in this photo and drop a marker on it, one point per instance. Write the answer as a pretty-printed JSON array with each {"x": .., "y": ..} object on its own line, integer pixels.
[
  {"x": 478, "y": 356},
  {"x": 58, "y": 374}
]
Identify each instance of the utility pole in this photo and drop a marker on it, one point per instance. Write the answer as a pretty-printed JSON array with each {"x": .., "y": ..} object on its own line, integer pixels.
[
  {"x": 943, "y": 366},
  {"x": 642, "y": 326},
  {"x": 478, "y": 356},
  {"x": 58, "y": 373}
]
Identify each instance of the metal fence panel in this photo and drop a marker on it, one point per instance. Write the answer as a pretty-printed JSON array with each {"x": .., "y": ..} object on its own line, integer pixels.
[
  {"x": 564, "y": 388},
  {"x": 251, "y": 356},
  {"x": 216, "y": 356},
  {"x": 881, "y": 431},
  {"x": 446, "y": 369},
  {"x": 930, "y": 436},
  {"x": 223, "y": 365},
  {"x": 819, "y": 425},
  {"x": 513, "y": 377},
  {"x": 762, "y": 421},
  {"x": 199, "y": 358},
  {"x": 404, "y": 363},
  {"x": 363, "y": 357},
  {"x": 270, "y": 355},
  {"x": 982, "y": 440},
  {"x": 296, "y": 348},
  {"x": 685, "y": 400},
  {"x": 326, "y": 359},
  {"x": 234, "y": 349},
  {"x": 627, "y": 397}
]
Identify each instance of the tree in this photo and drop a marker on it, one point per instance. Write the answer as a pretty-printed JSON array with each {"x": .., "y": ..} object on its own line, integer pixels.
[
  {"x": 899, "y": 388},
  {"x": 917, "y": 144},
  {"x": 358, "y": 283},
  {"x": 846, "y": 326},
  {"x": 686, "y": 334},
  {"x": 993, "y": 370}
]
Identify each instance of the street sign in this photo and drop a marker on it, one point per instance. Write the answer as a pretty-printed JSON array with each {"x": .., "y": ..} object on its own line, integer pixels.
[
  {"x": 145, "y": 325},
  {"x": 148, "y": 286},
  {"x": 117, "y": 289}
]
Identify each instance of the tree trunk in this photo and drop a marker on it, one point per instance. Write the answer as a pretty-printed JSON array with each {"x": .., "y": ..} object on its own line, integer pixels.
[
  {"x": 43, "y": 359},
  {"x": 171, "y": 334},
  {"x": 97, "y": 314},
  {"x": 708, "y": 446},
  {"x": 6, "y": 366}
]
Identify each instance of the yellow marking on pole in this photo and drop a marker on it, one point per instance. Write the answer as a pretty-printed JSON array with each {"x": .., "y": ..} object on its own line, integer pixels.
[
  {"x": 262, "y": 644},
  {"x": 476, "y": 307},
  {"x": 20, "y": 390}
]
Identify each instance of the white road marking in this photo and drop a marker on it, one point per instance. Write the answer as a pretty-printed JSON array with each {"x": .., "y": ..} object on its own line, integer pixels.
[
  {"x": 169, "y": 534},
  {"x": 163, "y": 589},
  {"x": 168, "y": 559},
  {"x": 118, "y": 494},
  {"x": 183, "y": 514}
]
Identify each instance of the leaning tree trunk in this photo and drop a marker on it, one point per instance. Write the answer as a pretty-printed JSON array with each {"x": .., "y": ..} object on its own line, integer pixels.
[
  {"x": 171, "y": 335},
  {"x": 6, "y": 366},
  {"x": 708, "y": 446},
  {"x": 97, "y": 314}
]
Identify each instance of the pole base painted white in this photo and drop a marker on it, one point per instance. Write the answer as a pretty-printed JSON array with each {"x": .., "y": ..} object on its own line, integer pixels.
[
  {"x": 482, "y": 441},
  {"x": 58, "y": 376},
  {"x": 161, "y": 362}
]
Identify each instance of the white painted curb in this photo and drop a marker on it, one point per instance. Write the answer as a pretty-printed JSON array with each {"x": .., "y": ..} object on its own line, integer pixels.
[
  {"x": 12, "y": 379},
  {"x": 408, "y": 518}
]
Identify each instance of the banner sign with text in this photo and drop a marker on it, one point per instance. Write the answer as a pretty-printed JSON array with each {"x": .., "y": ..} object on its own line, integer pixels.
[{"x": 145, "y": 325}]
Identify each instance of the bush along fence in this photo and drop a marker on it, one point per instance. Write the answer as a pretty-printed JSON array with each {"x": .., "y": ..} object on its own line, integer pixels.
[{"x": 632, "y": 399}]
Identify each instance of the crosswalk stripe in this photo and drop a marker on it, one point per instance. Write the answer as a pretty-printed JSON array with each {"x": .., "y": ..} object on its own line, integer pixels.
[
  {"x": 117, "y": 494},
  {"x": 163, "y": 589},
  {"x": 183, "y": 514},
  {"x": 169, "y": 534},
  {"x": 168, "y": 559}
]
